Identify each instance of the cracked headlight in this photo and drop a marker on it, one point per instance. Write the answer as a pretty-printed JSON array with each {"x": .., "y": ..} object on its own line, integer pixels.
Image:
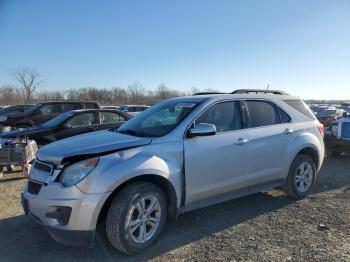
[{"x": 76, "y": 172}]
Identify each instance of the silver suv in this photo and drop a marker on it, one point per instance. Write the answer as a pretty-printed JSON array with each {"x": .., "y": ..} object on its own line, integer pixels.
[{"x": 179, "y": 155}]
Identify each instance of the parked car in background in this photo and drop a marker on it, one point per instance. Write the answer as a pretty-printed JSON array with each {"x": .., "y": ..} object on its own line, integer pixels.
[
  {"x": 111, "y": 107},
  {"x": 329, "y": 115},
  {"x": 71, "y": 123},
  {"x": 346, "y": 107},
  {"x": 133, "y": 109},
  {"x": 42, "y": 112},
  {"x": 181, "y": 154},
  {"x": 14, "y": 109},
  {"x": 337, "y": 137},
  {"x": 316, "y": 109}
]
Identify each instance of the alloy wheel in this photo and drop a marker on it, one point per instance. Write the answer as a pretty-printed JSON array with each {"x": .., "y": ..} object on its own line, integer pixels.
[
  {"x": 144, "y": 219},
  {"x": 304, "y": 177}
]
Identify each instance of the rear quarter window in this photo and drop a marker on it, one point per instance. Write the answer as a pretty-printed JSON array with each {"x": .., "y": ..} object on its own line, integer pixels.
[
  {"x": 69, "y": 107},
  {"x": 90, "y": 105},
  {"x": 300, "y": 106},
  {"x": 285, "y": 118}
]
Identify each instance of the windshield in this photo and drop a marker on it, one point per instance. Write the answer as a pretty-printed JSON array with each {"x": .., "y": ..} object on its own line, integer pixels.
[
  {"x": 33, "y": 108},
  {"x": 327, "y": 112},
  {"x": 57, "y": 120},
  {"x": 14, "y": 109},
  {"x": 10, "y": 109},
  {"x": 159, "y": 120}
]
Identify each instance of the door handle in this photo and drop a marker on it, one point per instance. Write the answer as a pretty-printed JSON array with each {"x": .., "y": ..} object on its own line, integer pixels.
[
  {"x": 241, "y": 141},
  {"x": 288, "y": 131}
]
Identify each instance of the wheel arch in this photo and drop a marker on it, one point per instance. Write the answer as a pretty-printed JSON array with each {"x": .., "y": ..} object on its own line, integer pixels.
[
  {"x": 164, "y": 184},
  {"x": 309, "y": 144},
  {"x": 311, "y": 152},
  {"x": 308, "y": 150}
]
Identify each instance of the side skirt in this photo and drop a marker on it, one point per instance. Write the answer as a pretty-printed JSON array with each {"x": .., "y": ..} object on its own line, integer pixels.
[{"x": 230, "y": 195}]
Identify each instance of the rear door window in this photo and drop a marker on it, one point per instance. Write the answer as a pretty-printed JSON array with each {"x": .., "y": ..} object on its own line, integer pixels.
[
  {"x": 300, "y": 106},
  {"x": 262, "y": 113},
  {"x": 110, "y": 117},
  {"x": 84, "y": 119}
]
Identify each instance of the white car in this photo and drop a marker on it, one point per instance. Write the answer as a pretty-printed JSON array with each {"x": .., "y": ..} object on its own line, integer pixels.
[
  {"x": 179, "y": 155},
  {"x": 133, "y": 109}
]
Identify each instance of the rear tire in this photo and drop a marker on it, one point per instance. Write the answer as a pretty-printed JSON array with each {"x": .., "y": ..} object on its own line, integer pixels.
[
  {"x": 301, "y": 177},
  {"x": 131, "y": 227}
]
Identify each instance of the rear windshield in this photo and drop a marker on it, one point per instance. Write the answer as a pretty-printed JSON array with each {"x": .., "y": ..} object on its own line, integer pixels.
[{"x": 300, "y": 106}]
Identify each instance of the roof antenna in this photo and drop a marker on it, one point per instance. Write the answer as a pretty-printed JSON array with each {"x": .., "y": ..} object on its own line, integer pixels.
[{"x": 267, "y": 88}]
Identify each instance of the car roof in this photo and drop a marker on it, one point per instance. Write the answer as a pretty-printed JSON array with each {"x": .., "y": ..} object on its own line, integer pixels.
[
  {"x": 218, "y": 97},
  {"x": 69, "y": 102},
  {"x": 135, "y": 105},
  {"x": 96, "y": 110}
]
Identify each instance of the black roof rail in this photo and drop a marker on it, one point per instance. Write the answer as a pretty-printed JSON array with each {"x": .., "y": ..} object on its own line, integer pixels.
[
  {"x": 209, "y": 93},
  {"x": 257, "y": 91}
]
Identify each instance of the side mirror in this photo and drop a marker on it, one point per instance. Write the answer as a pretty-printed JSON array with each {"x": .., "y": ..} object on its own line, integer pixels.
[
  {"x": 67, "y": 126},
  {"x": 345, "y": 114},
  {"x": 202, "y": 129}
]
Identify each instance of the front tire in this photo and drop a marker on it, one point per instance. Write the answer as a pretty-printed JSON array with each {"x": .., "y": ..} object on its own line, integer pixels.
[
  {"x": 136, "y": 217},
  {"x": 301, "y": 177}
]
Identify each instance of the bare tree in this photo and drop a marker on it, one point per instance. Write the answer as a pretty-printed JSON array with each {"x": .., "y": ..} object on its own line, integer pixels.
[
  {"x": 10, "y": 95},
  {"x": 136, "y": 93},
  {"x": 29, "y": 80}
]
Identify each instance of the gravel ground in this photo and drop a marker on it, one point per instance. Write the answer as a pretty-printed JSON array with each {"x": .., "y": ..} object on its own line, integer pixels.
[{"x": 262, "y": 227}]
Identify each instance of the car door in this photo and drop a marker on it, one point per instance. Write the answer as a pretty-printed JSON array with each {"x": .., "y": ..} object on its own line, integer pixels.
[
  {"x": 270, "y": 133},
  {"x": 109, "y": 120},
  {"x": 79, "y": 124},
  {"x": 217, "y": 164}
]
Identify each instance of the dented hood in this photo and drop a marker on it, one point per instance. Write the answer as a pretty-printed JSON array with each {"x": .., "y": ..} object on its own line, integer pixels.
[{"x": 86, "y": 145}]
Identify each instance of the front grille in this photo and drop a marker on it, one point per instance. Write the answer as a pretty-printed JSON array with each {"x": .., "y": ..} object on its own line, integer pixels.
[
  {"x": 34, "y": 187},
  {"x": 43, "y": 166}
]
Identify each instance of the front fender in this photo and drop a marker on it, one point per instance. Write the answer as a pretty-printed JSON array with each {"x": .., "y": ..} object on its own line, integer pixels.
[{"x": 115, "y": 169}]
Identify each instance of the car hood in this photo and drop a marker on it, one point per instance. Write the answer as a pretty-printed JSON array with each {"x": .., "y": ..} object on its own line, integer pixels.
[
  {"x": 88, "y": 145},
  {"x": 25, "y": 132},
  {"x": 16, "y": 114}
]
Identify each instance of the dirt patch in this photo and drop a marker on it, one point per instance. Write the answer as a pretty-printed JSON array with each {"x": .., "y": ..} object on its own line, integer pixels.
[{"x": 262, "y": 227}]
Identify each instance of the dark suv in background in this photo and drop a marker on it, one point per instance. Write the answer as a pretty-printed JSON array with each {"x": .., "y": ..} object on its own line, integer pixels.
[
  {"x": 71, "y": 123},
  {"x": 43, "y": 112},
  {"x": 14, "y": 109}
]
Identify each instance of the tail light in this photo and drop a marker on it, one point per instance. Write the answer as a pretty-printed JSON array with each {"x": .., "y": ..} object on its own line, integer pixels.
[{"x": 320, "y": 128}]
